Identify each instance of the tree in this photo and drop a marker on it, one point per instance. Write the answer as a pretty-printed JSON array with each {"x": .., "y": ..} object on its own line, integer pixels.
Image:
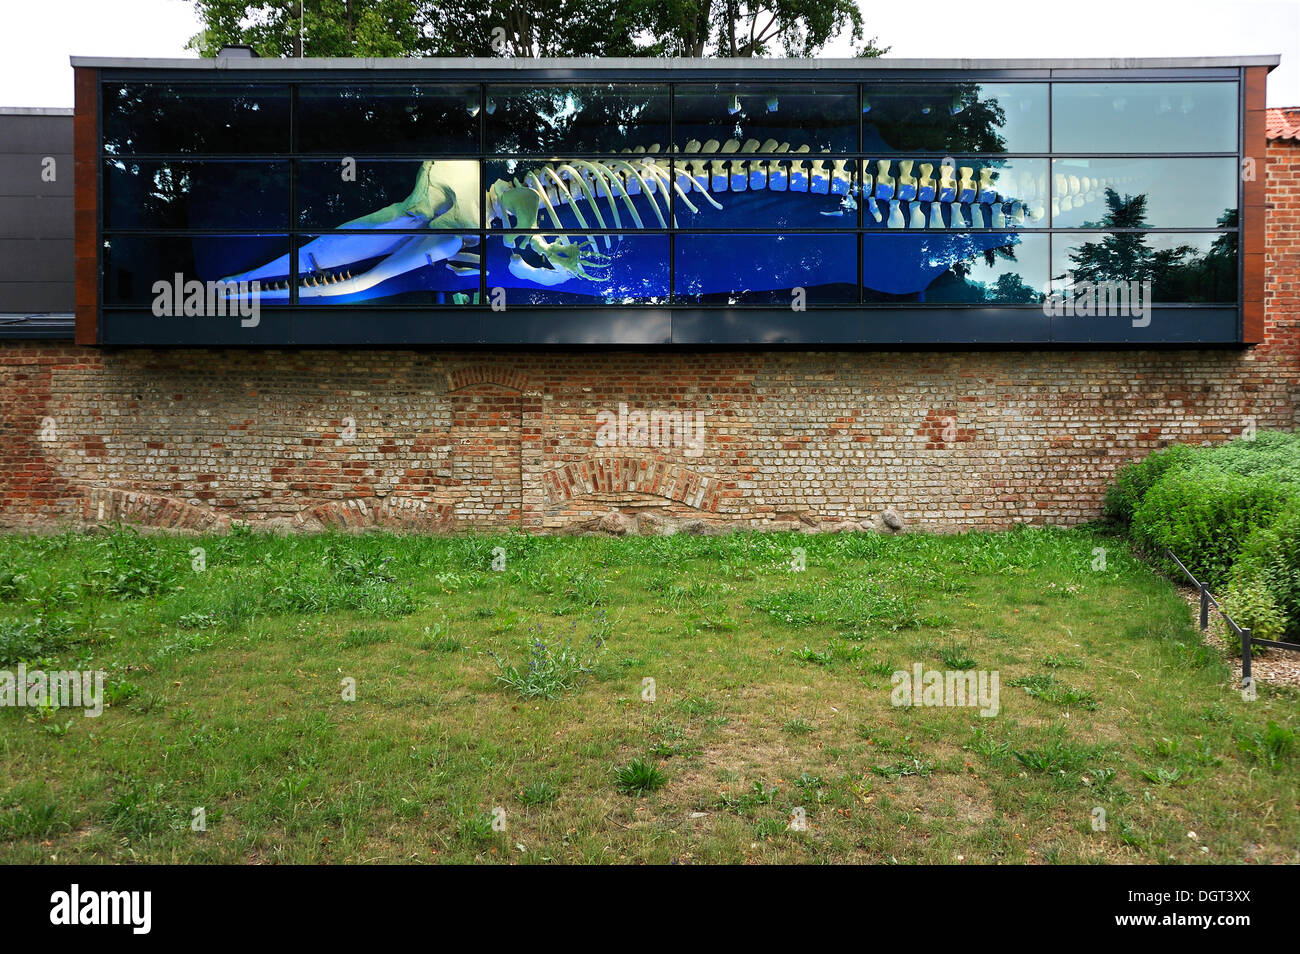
[{"x": 540, "y": 28}]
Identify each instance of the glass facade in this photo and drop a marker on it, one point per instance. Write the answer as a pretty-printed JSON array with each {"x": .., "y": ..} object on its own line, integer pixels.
[{"x": 878, "y": 196}]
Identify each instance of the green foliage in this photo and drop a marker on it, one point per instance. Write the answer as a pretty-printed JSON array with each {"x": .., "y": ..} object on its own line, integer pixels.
[
  {"x": 133, "y": 566},
  {"x": 540, "y": 28},
  {"x": 1266, "y": 578},
  {"x": 1204, "y": 517},
  {"x": 639, "y": 777},
  {"x": 1231, "y": 513},
  {"x": 550, "y": 668},
  {"x": 34, "y": 640},
  {"x": 1134, "y": 480}
]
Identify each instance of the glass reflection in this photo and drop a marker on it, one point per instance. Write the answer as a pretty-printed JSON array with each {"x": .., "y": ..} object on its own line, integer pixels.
[
  {"x": 1168, "y": 193},
  {"x": 767, "y": 269},
  {"x": 821, "y": 116},
  {"x": 388, "y": 194},
  {"x": 586, "y": 118},
  {"x": 560, "y": 269},
  {"x": 1182, "y": 267},
  {"x": 954, "y": 194},
  {"x": 379, "y": 119},
  {"x": 214, "y": 117},
  {"x": 387, "y": 268},
  {"x": 212, "y": 194},
  {"x": 1144, "y": 117},
  {"x": 954, "y": 117},
  {"x": 132, "y": 264},
  {"x": 971, "y": 268}
]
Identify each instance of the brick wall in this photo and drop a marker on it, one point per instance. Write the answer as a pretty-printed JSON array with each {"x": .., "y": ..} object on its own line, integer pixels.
[{"x": 434, "y": 440}]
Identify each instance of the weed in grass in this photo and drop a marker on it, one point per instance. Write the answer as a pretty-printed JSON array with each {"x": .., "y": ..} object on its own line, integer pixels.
[
  {"x": 1060, "y": 755},
  {"x": 746, "y": 802},
  {"x": 956, "y": 658},
  {"x": 815, "y": 656},
  {"x": 797, "y": 727},
  {"x": 639, "y": 777},
  {"x": 539, "y": 793},
  {"x": 1272, "y": 746},
  {"x": 694, "y": 706},
  {"x": 476, "y": 829},
  {"x": 1061, "y": 661},
  {"x": 905, "y": 767},
  {"x": 807, "y": 781},
  {"x": 34, "y": 641},
  {"x": 550, "y": 668},
  {"x": 356, "y": 638},
  {"x": 1045, "y": 687},
  {"x": 1161, "y": 776},
  {"x": 770, "y": 828}
]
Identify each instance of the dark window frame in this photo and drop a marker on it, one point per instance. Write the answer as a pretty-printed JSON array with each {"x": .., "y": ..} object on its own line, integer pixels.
[{"x": 848, "y": 323}]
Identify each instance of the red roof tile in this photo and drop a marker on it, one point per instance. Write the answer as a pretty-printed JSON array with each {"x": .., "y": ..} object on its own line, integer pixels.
[{"x": 1283, "y": 123}]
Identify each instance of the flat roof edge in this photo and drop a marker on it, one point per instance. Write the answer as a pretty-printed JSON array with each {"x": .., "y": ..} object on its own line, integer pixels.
[
  {"x": 36, "y": 111},
  {"x": 590, "y": 63}
]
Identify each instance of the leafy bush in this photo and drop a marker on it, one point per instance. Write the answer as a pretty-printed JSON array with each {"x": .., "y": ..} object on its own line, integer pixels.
[
  {"x": 1133, "y": 481},
  {"x": 1204, "y": 516},
  {"x": 134, "y": 566},
  {"x": 1269, "y": 568},
  {"x": 1231, "y": 513},
  {"x": 29, "y": 641}
]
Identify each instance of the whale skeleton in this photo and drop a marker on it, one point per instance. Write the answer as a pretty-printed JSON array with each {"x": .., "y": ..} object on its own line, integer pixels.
[{"x": 600, "y": 194}]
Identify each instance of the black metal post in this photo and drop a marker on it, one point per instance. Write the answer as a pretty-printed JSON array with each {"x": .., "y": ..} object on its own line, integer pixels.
[
  {"x": 1205, "y": 606},
  {"x": 1245, "y": 655}
]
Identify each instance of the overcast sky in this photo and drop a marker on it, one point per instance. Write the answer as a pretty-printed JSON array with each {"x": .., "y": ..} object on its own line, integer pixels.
[{"x": 37, "y": 36}]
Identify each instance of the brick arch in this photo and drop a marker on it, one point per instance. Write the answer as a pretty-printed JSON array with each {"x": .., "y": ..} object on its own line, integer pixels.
[
  {"x": 510, "y": 378},
  {"x": 610, "y": 475}
]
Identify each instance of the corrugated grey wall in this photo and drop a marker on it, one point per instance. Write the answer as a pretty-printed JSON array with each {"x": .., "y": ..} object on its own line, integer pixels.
[{"x": 36, "y": 220}]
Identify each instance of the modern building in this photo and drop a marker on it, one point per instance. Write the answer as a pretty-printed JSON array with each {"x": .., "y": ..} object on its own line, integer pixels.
[{"x": 636, "y": 294}]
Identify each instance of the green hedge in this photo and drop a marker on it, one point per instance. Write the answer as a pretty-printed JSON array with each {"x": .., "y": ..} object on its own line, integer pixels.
[{"x": 1231, "y": 513}]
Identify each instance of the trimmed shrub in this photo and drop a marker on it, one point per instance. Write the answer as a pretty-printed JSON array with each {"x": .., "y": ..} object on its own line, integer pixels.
[
  {"x": 1134, "y": 480},
  {"x": 1250, "y": 603},
  {"x": 1205, "y": 516},
  {"x": 1269, "y": 562}
]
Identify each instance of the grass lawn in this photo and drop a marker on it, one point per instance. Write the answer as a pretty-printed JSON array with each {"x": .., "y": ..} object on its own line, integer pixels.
[{"x": 226, "y": 672}]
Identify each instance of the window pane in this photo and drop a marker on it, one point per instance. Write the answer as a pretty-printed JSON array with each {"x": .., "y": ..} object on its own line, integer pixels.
[
  {"x": 954, "y": 117},
  {"x": 378, "y": 119},
  {"x": 575, "y": 269},
  {"x": 213, "y": 194},
  {"x": 1182, "y": 267},
  {"x": 821, "y": 116},
  {"x": 239, "y": 118},
  {"x": 766, "y": 190},
  {"x": 588, "y": 118},
  {"x": 387, "y": 268},
  {"x": 134, "y": 263},
  {"x": 766, "y": 269},
  {"x": 1160, "y": 193},
  {"x": 609, "y": 193},
  {"x": 1144, "y": 117},
  {"x": 960, "y": 194},
  {"x": 388, "y": 194},
  {"x": 954, "y": 267}
]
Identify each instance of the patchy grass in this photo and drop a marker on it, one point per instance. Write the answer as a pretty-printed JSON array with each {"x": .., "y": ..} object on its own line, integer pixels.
[{"x": 642, "y": 699}]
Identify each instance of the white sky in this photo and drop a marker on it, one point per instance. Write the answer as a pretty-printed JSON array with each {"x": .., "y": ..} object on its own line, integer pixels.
[{"x": 38, "y": 36}]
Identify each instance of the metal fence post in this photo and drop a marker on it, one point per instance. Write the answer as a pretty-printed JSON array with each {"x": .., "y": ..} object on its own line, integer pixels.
[
  {"x": 1205, "y": 606},
  {"x": 1245, "y": 655}
]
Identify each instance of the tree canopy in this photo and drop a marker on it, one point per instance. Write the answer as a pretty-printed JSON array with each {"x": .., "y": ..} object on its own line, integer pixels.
[{"x": 279, "y": 28}]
